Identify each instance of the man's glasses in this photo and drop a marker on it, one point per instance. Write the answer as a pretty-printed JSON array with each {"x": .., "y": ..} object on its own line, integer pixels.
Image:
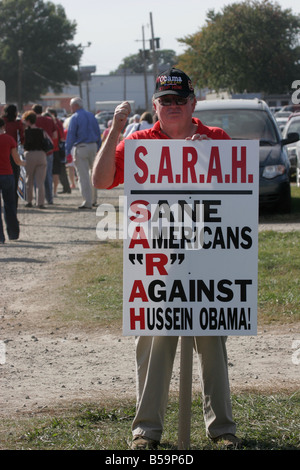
[{"x": 168, "y": 101}]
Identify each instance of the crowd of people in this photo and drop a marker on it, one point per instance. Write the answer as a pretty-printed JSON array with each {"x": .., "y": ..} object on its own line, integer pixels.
[{"x": 53, "y": 152}]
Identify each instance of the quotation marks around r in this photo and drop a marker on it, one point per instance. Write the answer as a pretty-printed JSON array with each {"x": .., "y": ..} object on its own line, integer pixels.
[
  {"x": 110, "y": 225},
  {"x": 296, "y": 93}
]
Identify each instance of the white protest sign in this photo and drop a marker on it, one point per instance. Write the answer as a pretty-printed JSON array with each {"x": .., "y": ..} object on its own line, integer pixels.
[{"x": 190, "y": 237}]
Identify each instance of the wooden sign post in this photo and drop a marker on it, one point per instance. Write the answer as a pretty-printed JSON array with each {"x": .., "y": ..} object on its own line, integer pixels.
[{"x": 185, "y": 392}]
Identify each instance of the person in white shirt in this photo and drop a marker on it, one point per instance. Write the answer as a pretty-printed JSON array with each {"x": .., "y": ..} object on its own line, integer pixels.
[
  {"x": 146, "y": 122},
  {"x": 135, "y": 120}
]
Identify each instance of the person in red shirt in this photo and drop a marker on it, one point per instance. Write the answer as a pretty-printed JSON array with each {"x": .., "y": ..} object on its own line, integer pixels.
[
  {"x": 15, "y": 128},
  {"x": 174, "y": 102},
  {"x": 8, "y": 147},
  {"x": 13, "y": 125},
  {"x": 47, "y": 123},
  {"x": 59, "y": 168}
]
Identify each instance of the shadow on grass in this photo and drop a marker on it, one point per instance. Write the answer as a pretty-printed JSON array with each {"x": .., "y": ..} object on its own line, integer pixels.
[{"x": 268, "y": 215}]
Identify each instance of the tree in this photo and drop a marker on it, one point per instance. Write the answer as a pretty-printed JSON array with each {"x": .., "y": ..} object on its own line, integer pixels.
[
  {"x": 35, "y": 48},
  {"x": 252, "y": 46},
  {"x": 135, "y": 62}
]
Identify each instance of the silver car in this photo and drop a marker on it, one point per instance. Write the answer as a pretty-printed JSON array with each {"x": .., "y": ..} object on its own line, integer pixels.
[
  {"x": 252, "y": 119},
  {"x": 293, "y": 125}
]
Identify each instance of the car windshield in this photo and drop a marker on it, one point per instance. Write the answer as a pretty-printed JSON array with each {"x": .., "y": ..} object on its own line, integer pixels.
[{"x": 241, "y": 123}]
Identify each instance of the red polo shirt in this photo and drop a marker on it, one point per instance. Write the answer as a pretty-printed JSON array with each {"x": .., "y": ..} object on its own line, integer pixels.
[
  {"x": 46, "y": 123},
  {"x": 13, "y": 127},
  {"x": 155, "y": 132},
  {"x": 7, "y": 143}
]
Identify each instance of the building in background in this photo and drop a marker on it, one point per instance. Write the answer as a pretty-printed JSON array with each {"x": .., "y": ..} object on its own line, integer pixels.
[{"x": 131, "y": 87}]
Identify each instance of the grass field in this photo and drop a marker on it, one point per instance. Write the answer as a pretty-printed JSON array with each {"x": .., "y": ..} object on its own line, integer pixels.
[
  {"x": 265, "y": 422},
  {"x": 94, "y": 295}
]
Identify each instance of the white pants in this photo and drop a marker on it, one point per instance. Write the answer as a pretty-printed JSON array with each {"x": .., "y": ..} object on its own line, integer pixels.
[
  {"x": 154, "y": 362},
  {"x": 84, "y": 156}
]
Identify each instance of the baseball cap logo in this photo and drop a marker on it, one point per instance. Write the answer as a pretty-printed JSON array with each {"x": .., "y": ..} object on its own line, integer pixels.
[
  {"x": 170, "y": 81},
  {"x": 173, "y": 81}
]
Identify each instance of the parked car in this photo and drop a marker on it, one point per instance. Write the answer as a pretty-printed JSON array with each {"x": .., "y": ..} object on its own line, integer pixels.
[
  {"x": 293, "y": 108},
  {"x": 275, "y": 109},
  {"x": 282, "y": 118},
  {"x": 293, "y": 125},
  {"x": 298, "y": 164},
  {"x": 252, "y": 119}
]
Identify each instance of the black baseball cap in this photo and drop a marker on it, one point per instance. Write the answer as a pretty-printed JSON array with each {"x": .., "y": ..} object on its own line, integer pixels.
[{"x": 173, "y": 82}]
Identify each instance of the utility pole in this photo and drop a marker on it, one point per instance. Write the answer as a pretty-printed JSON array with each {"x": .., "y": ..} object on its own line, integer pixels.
[
  {"x": 145, "y": 70},
  {"x": 153, "y": 49},
  {"x": 125, "y": 83},
  {"x": 154, "y": 43},
  {"x": 78, "y": 67},
  {"x": 85, "y": 76},
  {"x": 20, "y": 80}
]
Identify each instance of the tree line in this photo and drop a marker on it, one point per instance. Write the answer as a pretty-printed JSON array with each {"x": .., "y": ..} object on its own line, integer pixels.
[{"x": 248, "y": 46}]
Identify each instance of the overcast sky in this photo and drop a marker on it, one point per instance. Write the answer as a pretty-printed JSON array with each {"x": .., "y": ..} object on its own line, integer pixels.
[{"x": 114, "y": 27}]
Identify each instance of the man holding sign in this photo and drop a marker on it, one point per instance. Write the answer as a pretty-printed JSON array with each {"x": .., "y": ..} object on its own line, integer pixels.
[{"x": 174, "y": 102}]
